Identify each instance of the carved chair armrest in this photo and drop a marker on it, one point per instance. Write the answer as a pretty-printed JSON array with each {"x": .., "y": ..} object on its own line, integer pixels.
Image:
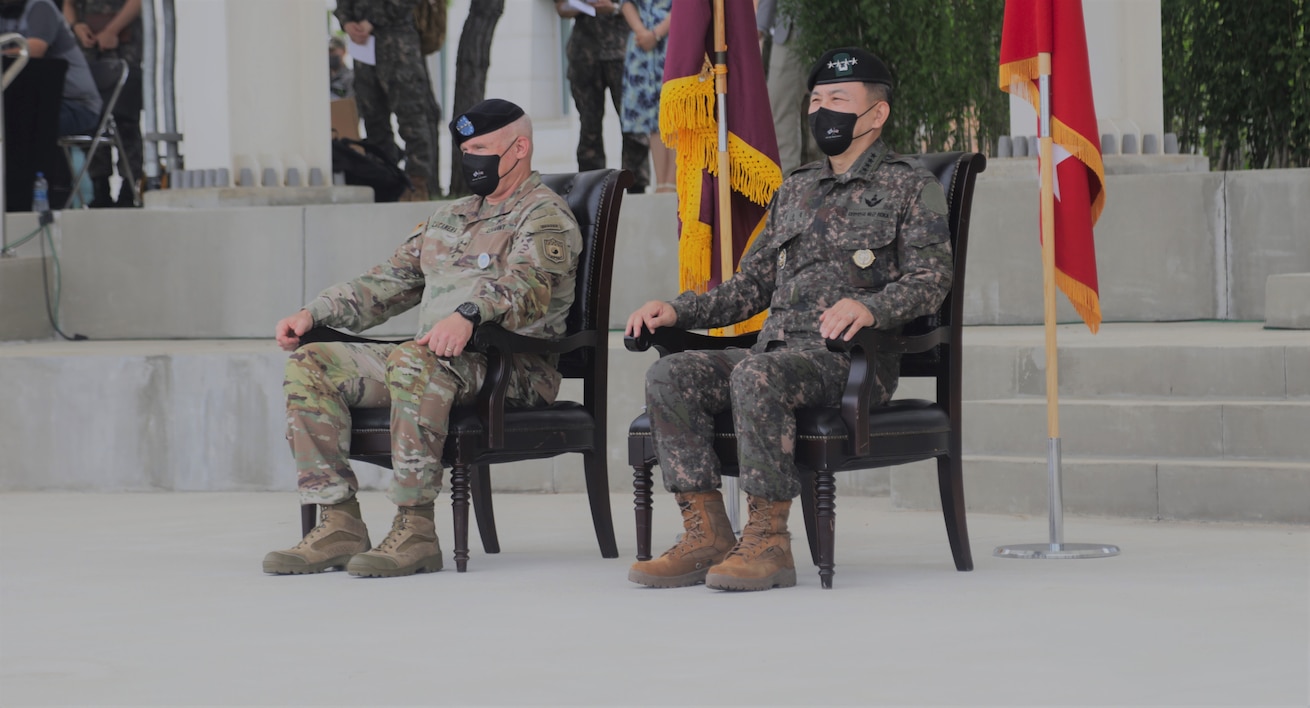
[
  {"x": 864, "y": 348},
  {"x": 500, "y": 345},
  {"x": 671, "y": 340}
]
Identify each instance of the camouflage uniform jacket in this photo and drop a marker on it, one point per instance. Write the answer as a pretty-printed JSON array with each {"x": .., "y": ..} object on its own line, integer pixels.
[
  {"x": 877, "y": 234},
  {"x": 597, "y": 39},
  {"x": 382, "y": 14},
  {"x": 517, "y": 260}
]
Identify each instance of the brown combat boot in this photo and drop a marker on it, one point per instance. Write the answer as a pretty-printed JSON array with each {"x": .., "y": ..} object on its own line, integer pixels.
[
  {"x": 339, "y": 535},
  {"x": 709, "y": 536},
  {"x": 417, "y": 192},
  {"x": 411, "y": 547},
  {"x": 762, "y": 558}
]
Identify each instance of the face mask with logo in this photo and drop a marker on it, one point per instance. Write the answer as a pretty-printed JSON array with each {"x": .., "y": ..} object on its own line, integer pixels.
[
  {"x": 833, "y": 130},
  {"x": 482, "y": 172}
]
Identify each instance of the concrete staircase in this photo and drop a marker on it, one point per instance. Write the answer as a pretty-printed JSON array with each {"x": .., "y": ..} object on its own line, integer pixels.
[{"x": 1203, "y": 421}]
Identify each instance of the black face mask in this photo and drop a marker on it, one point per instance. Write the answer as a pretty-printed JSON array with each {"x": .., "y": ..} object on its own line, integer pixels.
[
  {"x": 334, "y": 61},
  {"x": 832, "y": 130},
  {"x": 482, "y": 172}
]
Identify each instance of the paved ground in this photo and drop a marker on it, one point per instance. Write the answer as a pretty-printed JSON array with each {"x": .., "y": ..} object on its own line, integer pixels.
[{"x": 158, "y": 599}]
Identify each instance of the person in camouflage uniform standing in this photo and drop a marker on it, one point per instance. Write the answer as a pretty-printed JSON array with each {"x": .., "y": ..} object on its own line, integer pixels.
[
  {"x": 596, "y": 51},
  {"x": 399, "y": 84},
  {"x": 111, "y": 29},
  {"x": 507, "y": 254},
  {"x": 858, "y": 240}
]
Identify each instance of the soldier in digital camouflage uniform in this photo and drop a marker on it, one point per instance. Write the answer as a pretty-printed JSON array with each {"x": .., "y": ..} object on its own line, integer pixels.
[
  {"x": 507, "y": 254},
  {"x": 857, "y": 240},
  {"x": 596, "y": 52},
  {"x": 108, "y": 30},
  {"x": 399, "y": 84}
]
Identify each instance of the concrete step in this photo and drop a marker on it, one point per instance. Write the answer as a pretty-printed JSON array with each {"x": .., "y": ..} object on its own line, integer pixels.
[
  {"x": 208, "y": 415},
  {"x": 1228, "y": 360},
  {"x": 1194, "y": 489},
  {"x": 1143, "y": 427},
  {"x": 1287, "y": 301}
]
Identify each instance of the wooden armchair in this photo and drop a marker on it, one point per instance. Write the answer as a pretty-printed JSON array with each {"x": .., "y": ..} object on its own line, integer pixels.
[
  {"x": 489, "y": 432},
  {"x": 857, "y": 435}
]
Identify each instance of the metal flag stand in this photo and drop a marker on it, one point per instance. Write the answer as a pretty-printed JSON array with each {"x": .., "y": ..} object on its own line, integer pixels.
[{"x": 1057, "y": 548}]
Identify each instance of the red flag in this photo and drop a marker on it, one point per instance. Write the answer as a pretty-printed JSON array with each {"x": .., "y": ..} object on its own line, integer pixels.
[
  {"x": 1056, "y": 26},
  {"x": 689, "y": 124}
]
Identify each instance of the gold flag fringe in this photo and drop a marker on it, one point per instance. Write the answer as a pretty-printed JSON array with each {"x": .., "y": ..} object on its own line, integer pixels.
[
  {"x": 1084, "y": 300},
  {"x": 1018, "y": 78},
  {"x": 688, "y": 124}
]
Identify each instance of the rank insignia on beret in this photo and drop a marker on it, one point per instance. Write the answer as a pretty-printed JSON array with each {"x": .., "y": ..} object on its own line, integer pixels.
[
  {"x": 553, "y": 249},
  {"x": 843, "y": 63},
  {"x": 464, "y": 126},
  {"x": 863, "y": 258}
]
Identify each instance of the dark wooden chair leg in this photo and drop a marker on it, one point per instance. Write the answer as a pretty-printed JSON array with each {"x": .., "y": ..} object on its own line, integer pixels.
[
  {"x": 596, "y": 467},
  {"x": 308, "y": 518},
  {"x": 807, "y": 505},
  {"x": 483, "y": 511},
  {"x": 459, "y": 503},
  {"x": 642, "y": 499},
  {"x": 950, "y": 480},
  {"x": 825, "y": 504}
]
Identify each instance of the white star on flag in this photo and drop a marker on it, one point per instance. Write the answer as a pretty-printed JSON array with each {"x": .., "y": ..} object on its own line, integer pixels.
[{"x": 1060, "y": 155}]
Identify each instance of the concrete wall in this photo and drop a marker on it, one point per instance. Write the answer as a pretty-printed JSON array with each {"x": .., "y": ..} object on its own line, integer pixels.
[{"x": 1174, "y": 246}]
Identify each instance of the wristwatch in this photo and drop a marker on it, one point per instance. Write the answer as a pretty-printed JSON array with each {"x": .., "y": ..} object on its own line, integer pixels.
[{"x": 470, "y": 312}]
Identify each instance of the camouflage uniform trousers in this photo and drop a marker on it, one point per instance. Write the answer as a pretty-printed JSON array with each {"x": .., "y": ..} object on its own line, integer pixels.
[
  {"x": 399, "y": 84},
  {"x": 685, "y": 391},
  {"x": 323, "y": 381},
  {"x": 588, "y": 82}
]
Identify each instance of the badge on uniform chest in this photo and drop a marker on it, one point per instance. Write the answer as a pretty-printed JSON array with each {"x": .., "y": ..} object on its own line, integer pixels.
[
  {"x": 863, "y": 258},
  {"x": 484, "y": 260},
  {"x": 782, "y": 258}
]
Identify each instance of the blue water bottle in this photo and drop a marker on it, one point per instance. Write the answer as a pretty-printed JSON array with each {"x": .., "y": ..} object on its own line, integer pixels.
[{"x": 40, "y": 194}]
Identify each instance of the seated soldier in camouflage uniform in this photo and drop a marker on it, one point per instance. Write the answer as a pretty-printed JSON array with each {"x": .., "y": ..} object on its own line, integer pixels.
[
  {"x": 507, "y": 254},
  {"x": 857, "y": 240}
]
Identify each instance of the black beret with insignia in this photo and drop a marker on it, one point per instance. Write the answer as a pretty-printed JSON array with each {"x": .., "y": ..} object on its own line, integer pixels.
[
  {"x": 488, "y": 116},
  {"x": 849, "y": 64}
]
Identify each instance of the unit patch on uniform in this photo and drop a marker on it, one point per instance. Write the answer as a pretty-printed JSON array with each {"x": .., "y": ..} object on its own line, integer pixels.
[
  {"x": 934, "y": 198},
  {"x": 554, "y": 250}
]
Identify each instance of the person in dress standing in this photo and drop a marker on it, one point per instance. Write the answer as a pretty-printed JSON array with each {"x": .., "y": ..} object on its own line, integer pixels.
[{"x": 643, "y": 77}]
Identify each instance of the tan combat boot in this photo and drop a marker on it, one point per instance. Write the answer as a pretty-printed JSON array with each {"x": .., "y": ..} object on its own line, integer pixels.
[
  {"x": 709, "y": 536},
  {"x": 417, "y": 192},
  {"x": 411, "y": 547},
  {"x": 762, "y": 558},
  {"x": 339, "y": 535}
]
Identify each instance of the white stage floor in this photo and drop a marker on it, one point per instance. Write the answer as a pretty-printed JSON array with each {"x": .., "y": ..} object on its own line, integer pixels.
[{"x": 158, "y": 599}]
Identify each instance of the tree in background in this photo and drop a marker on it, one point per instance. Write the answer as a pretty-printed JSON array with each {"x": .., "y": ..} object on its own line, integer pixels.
[
  {"x": 943, "y": 55},
  {"x": 1237, "y": 80},
  {"x": 471, "y": 64}
]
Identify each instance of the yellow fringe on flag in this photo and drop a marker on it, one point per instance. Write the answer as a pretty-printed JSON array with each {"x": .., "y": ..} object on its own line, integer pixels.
[{"x": 1084, "y": 300}]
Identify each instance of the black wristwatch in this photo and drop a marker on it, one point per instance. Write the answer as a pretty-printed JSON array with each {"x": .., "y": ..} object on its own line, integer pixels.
[{"x": 470, "y": 312}]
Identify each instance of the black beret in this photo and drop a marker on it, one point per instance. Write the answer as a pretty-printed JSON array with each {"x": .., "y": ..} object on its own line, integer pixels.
[
  {"x": 488, "y": 116},
  {"x": 849, "y": 64}
]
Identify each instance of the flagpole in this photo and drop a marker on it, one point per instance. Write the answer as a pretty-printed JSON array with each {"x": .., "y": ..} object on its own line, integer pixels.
[
  {"x": 1057, "y": 548},
  {"x": 726, "y": 266}
]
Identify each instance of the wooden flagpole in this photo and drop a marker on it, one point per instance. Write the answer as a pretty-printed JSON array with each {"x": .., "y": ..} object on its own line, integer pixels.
[
  {"x": 1057, "y": 548},
  {"x": 726, "y": 264}
]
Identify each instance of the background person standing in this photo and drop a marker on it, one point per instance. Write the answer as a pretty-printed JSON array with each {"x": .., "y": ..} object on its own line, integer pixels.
[
  {"x": 398, "y": 83},
  {"x": 595, "y": 53}
]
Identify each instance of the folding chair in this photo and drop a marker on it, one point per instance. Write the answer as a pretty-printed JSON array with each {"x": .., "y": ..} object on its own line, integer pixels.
[{"x": 106, "y": 130}]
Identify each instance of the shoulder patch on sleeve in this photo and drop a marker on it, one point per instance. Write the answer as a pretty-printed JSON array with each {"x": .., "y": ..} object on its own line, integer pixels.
[
  {"x": 933, "y": 198},
  {"x": 553, "y": 249}
]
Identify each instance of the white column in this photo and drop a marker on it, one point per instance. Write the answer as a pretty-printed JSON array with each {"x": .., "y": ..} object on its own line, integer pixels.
[
  {"x": 252, "y": 85},
  {"x": 1124, "y": 52}
]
